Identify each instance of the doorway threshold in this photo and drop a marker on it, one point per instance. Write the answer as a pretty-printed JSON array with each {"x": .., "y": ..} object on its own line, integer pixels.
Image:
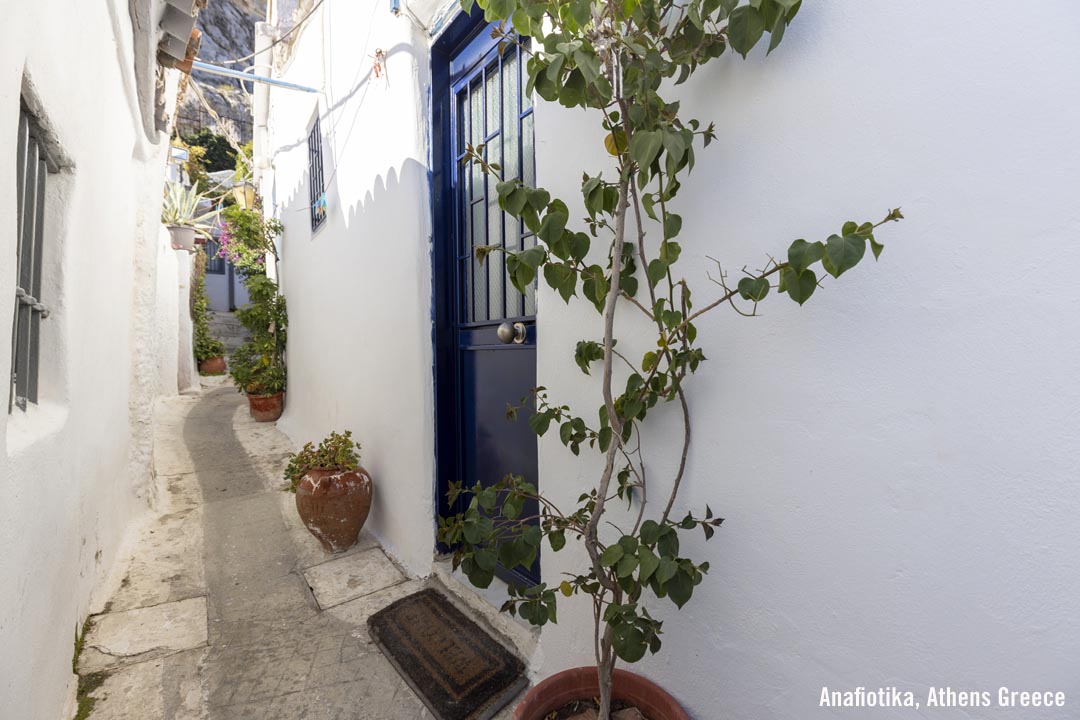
[{"x": 482, "y": 605}]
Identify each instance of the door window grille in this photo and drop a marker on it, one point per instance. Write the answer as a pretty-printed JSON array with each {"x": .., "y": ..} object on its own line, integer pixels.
[
  {"x": 215, "y": 265},
  {"x": 32, "y": 173},
  {"x": 315, "y": 176},
  {"x": 492, "y": 109}
]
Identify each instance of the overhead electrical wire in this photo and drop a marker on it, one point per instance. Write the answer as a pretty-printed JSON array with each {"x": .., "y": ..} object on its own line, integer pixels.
[{"x": 289, "y": 32}]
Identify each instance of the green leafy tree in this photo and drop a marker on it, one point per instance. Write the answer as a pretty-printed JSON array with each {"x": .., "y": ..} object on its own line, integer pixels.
[
  {"x": 242, "y": 166},
  {"x": 219, "y": 154},
  {"x": 258, "y": 366},
  {"x": 618, "y": 60},
  {"x": 206, "y": 345}
]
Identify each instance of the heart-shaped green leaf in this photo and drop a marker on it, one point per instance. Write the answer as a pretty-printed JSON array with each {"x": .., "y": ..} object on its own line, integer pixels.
[
  {"x": 754, "y": 288},
  {"x": 843, "y": 253},
  {"x": 629, "y": 642},
  {"x": 611, "y": 556},
  {"x": 802, "y": 254},
  {"x": 745, "y": 28},
  {"x": 645, "y": 146},
  {"x": 799, "y": 285}
]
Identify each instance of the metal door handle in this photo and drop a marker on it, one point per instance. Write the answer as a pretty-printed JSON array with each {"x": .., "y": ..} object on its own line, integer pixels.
[{"x": 510, "y": 332}]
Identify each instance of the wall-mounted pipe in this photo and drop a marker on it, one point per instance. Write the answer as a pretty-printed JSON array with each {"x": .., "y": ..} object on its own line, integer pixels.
[{"x": 216, "y": 70}]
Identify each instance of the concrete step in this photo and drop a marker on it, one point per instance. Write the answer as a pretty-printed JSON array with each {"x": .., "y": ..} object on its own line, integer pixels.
[
  {"x": 226, "y": 331},
  {"x": 226, "y": 328}
]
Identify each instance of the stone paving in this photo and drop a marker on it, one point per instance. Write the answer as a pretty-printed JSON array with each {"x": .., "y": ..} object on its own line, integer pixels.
[{"x": 230, "y": 609}]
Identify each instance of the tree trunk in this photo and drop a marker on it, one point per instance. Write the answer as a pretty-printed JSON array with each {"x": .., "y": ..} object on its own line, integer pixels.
[{"x": 605, "y": 671}]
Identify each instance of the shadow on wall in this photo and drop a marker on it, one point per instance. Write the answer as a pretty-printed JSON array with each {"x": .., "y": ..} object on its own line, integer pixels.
[
  {"x": 358, "y": 90},
  {"x": 359, "y": 287},
  {"x": 360, "y": 350}
]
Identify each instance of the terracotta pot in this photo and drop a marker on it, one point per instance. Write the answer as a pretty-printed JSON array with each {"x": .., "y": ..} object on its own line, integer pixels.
[
  {"x": 582, "y": 684},
  {"x": 334, "y": 505},
  {"x": 182, "y": 237},
  {"x": 266, "y": 408},
  {"x": 212, "y": 366}
]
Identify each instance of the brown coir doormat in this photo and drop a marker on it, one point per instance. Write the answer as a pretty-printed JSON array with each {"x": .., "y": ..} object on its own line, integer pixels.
[{"x": 457, "y": 669}]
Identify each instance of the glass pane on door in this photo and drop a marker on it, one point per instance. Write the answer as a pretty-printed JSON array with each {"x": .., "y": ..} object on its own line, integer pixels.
[{"x": 493, "y": 111}]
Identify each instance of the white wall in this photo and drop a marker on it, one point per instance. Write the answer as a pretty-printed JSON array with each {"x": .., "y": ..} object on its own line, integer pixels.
[
  {"x": 359, "y": 289},
  {"x": 895, "y": 460},
  {"x": 74, "y": 470}
]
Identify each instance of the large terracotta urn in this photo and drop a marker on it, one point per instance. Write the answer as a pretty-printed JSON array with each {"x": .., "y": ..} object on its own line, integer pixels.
[
  {"x": 334, "y": 505},
  {"x": 582, "y": 684}
]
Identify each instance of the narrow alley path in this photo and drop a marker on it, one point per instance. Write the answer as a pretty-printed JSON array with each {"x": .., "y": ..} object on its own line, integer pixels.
[{"x": 229, "y": 608}]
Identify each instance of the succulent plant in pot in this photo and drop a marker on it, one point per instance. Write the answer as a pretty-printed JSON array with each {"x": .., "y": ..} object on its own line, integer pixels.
[
  {"x": 180, "y": 213},
  {"x": 333, "y": 492},
  {"x": 619, "y": 60}
]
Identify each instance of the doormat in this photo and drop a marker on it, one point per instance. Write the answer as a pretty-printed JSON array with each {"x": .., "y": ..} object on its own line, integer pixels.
[{"x": 458, "y": 670}]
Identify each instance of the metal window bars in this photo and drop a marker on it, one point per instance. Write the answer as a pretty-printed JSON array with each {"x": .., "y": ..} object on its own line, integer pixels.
[
  {"x": 33, "y": 167},
  {"x": 215, "y": 264},
  {"x": 316, "y": 189}
]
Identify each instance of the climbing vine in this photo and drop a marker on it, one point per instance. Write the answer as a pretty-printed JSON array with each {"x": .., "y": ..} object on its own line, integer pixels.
[
  {"x": 618, "y": 60},
  {"x": 206, "y": 345}
]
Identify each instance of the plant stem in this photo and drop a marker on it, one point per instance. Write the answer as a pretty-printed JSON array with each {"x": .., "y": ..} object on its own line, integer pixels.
[
  {"x": 591, "y": 539},
  {"x": 604, "y": 671}
]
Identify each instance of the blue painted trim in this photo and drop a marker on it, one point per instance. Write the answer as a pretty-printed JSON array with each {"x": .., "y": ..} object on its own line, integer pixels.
[
  {"x": 456, "y": 56},
  {"x": 458, "y": 33}
]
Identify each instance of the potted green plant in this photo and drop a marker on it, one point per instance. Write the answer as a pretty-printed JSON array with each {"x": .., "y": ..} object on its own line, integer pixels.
[
  {"x": 209, "y": 351},
  {"x": 619, "y": 60},
  {"x": 262, "y": 382},
  {"x": 258, "y": 366},
  {"x": 333, "y": 492},
  {"x": 180, "y": 213},
  {"x": 210, "y": 354}
]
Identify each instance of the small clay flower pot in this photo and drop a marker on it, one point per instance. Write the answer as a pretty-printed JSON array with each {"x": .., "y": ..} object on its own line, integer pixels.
[
  {"x": 266, "y": 408},
  {"x": 334, "y": 505},
  {"x": 212, "y": 366},
  {"x": 582, "y": 684}
]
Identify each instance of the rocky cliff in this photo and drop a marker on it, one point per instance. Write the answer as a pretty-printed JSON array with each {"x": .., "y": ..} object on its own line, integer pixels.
[{"x": 228, "y": 32}]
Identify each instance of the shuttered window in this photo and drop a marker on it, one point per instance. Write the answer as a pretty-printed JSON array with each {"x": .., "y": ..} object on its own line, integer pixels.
[{"x": 30, "y": 308}]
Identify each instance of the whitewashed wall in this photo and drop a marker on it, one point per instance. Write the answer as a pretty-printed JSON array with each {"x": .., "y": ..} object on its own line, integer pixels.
[
  {"x": 359, "y": 289},
  {"x": 74, "y": 470},
  {"x": 896, "y": 460}
]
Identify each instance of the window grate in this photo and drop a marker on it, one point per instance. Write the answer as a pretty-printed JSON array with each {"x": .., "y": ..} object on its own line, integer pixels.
[
  {"x": 31, "y": 173},
  {"x": 315, "y": 176},
  {"x": 215, "y": 265}
]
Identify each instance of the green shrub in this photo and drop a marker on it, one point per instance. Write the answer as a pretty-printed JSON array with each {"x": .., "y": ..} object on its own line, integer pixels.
[
  {"x": 258, "y": 366},
  {"x": 336, "y": 452},
  {"x": 206, "y": 345},
  {"x": 219, "y": 154}
]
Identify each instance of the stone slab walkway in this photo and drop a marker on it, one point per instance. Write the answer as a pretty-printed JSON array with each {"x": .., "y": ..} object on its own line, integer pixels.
[{"x": 230, "y": 609}]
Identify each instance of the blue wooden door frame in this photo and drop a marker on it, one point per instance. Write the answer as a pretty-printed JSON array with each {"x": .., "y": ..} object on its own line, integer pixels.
[{"x": 458, "y": 49}]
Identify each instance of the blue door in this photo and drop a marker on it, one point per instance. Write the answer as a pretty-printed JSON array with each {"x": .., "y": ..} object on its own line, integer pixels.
[{"x": 486, "y": 330}]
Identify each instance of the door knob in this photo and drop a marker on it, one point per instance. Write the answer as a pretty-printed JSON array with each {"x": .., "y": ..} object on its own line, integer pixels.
[{"x": 510, "y": 332}]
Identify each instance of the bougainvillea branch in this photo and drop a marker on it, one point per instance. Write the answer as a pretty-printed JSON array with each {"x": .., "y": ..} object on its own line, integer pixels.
[{"x": 616, "y": 59}]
